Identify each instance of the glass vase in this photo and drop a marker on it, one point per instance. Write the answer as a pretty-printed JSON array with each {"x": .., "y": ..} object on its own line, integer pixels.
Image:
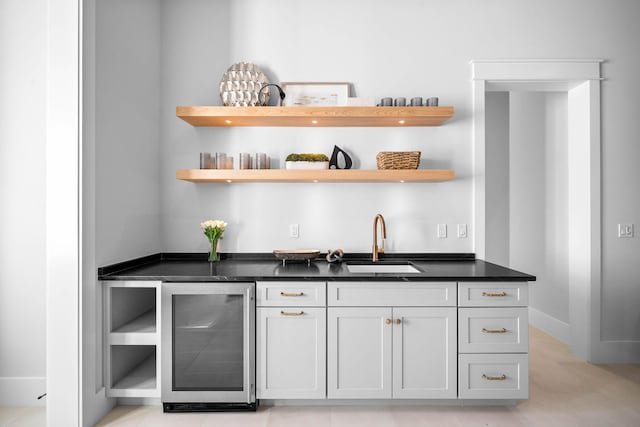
[{"x": 214, "y": 256}]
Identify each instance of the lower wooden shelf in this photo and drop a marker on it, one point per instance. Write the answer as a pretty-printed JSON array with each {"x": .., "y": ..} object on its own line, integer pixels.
[{"x": 326, "y": 175}]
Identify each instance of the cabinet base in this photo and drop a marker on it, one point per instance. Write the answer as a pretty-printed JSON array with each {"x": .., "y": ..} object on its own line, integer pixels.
[
  {"x": 209, "y": 407},
  {"x": 389, "y": 402}
]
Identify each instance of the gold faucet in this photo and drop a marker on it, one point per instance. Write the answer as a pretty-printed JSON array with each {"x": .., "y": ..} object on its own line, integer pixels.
[{"x": 378, "y": 250}]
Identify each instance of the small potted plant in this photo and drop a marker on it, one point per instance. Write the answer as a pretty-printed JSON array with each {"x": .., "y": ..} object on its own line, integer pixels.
[{"x": 306, "y": 161}]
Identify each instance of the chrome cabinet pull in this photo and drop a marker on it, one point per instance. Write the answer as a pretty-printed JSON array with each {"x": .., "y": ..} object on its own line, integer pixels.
[
  {"x": 494, "y": 331},
  {"x": 494, "y": 294},
  {"x": 288, "y": 313},
  {"x": 291, "y": 294},
  {"x": 489, "y": 378}
]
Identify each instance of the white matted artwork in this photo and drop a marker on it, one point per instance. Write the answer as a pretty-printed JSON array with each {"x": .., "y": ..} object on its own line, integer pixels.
[{"x": 315, "y": 94}]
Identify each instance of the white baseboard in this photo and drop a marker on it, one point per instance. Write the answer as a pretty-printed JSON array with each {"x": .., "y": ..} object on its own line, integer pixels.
[
  {"x": 550, "y": 325},
  {"x": 22, "y": 391}
]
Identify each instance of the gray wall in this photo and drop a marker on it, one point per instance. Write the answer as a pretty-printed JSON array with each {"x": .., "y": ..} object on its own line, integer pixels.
[
  {"x": 22, "y": 201},
  {"x": 497, "y": 177},
  {"x": 127, "y": 129}
]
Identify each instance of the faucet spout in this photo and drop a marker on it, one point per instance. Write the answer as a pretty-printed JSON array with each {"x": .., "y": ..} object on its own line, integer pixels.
[{"x": 383, "y": 227}]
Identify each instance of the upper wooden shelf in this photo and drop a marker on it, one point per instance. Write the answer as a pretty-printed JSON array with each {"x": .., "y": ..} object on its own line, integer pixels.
[
  {"x": 315, "y": 116},
  {"x": 326, "y": 175}
]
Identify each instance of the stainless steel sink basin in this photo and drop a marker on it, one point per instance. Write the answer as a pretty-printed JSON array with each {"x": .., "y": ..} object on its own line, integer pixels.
[{"x": 383, "y": 268}]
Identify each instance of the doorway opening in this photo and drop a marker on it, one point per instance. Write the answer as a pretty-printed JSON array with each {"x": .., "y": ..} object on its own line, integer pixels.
[{"x": 537, "y": 187}]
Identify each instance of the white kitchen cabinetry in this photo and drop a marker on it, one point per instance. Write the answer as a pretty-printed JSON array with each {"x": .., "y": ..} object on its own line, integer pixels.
[
  {"x": 493, "y": 340},
  {"x": 391, "y": 340},
  {"x": 291, "y": 340},
  {"x": 132, "y": 338}
]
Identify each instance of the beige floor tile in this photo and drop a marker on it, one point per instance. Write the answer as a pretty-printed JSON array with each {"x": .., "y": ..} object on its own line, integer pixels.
[
  {"x": 236, "y": 419},
  {"x": 124, "y": 416},
  {"x": 365, "y": 416},
  {"x": 297, "y": 416},
  {"x": 8, "y": 414},
  {"x": 157, "y": 418},
  {"x": 427, "y": 416},
  {"x": 495, "y": 416},
  {"x": 23, "y": 417}
]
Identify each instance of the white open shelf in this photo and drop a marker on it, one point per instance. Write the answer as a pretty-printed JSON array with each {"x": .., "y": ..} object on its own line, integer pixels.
[
  {"x": 145, "y": 323},
  {"x": 142, "y": 376},
  {"x": 132, "y": 338}
]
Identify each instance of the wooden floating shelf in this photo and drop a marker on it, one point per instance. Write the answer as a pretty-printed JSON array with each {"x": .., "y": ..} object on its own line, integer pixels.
[
  {"x": 315, "y": 116},
  {"x": 326, "y": 175}
]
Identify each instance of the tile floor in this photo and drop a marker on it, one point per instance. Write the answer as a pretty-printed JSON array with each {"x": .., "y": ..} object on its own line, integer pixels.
[
  {"x": 23, "y": 417},
  {"x": 563, "y": 392}
]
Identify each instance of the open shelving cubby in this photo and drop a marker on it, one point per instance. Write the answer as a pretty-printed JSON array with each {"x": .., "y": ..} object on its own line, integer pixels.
[{"x": 132, "y": 326}]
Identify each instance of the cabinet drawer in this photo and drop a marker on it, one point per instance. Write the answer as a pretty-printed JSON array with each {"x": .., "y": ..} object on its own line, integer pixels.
[
  {"x": 291, "y": 294},
  {"x": 397, "y": 294},
  {"x": 493, "y": 294},
  {"x": 493, "y": 376},
  {"x": 493, "y": 330}
]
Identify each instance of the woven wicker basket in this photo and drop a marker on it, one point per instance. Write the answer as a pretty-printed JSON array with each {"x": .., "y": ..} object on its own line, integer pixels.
[{"x": 398, "y": 159}]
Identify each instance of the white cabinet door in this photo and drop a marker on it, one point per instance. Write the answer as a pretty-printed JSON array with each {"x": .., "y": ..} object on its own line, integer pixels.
[
  {"x": 291, "y": 353},
  {"x": 359, "y": 352},
  {"x": 424, "y": 353}
]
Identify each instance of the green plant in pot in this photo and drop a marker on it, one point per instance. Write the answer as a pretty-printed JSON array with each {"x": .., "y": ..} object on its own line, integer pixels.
[{"x": 306, "y": 161}]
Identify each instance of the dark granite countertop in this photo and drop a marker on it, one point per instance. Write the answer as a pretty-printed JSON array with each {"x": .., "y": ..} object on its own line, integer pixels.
[{"x": 190, "y": 267}]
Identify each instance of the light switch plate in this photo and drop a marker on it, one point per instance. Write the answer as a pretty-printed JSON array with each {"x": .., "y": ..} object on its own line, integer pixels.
[
  {"x": 625, "y": 230},
  {"x": 442, "y": 231},
  {"x": 462, "y": 231},
  {"x": 294, "y": 231}
]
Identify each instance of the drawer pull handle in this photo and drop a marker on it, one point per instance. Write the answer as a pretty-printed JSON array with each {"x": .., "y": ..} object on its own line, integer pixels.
[
  {"x": 398, "y": 321},
  {"x": 288, "y": 313},
  {"x": 291, "y": 294},
  {"x": 494, "y": 331},
  {"x": 494, "y": 294},
  {"x": 489, "y": 378},
  {"x": 387, "y": 321}
]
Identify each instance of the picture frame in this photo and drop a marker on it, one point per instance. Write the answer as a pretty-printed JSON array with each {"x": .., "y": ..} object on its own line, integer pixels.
[{"x": 315, "y": 94}]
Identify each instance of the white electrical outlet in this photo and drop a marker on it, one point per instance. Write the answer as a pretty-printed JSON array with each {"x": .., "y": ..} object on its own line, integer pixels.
[
  {"x": 462, "y": 231},
  {"x": 294, "y": 231},
  {"x": 442, "y": 231},
  {"x": 625, "y": 230}
]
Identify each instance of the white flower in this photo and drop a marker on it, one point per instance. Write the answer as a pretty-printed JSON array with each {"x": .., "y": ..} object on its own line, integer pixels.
[{"x": 213, "y": 223}]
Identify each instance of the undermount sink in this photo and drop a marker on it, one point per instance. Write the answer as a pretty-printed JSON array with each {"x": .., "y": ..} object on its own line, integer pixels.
[{"x": 383, "y": 268}]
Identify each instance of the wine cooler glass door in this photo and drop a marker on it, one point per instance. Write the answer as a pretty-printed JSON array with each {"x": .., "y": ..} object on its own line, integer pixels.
[{"x": 210, "y": 343}]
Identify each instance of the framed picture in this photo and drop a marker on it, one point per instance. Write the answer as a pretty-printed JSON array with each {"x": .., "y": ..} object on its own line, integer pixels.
[{"x": 315, "y": 94}]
